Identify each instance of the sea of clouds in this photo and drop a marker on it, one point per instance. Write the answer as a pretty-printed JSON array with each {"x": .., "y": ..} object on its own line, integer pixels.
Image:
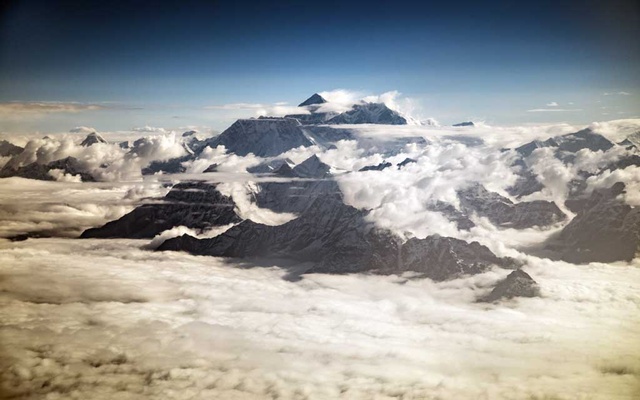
[{"x": 111, "y": 319}]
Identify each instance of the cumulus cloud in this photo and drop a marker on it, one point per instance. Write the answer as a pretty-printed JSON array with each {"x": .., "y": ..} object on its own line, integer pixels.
[{"x": 552, "y": 104}]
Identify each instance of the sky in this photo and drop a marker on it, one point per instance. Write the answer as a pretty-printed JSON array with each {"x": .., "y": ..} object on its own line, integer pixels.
[{"x": 123, "y": 64}]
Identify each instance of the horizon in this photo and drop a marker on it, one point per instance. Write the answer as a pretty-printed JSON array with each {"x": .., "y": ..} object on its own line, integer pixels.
[{"x": 129, "y": 64}]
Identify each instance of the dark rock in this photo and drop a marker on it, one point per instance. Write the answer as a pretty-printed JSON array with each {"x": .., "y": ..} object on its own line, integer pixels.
[
  {"x": 295, "y": 197},
  {"x": 337, "y": 239},
  {"x": 454, "y": 215},
  {"x": 504, "y": 213},
  {"x": 313, "y": 100},
  {"x": 8, "y": 149},
  {"x": 196, "y": 205},
  {"x": 270, "y": 167},
  {"x": 171, "y": 166},
  {"x": 212, "y": 168},
  {"x": 313, "y": 168},
  {"x": 264, "y": 137},
  {"x": 406, "y": 161},
  {"x": 467, "y": 123},
  {"x": 516, "y": 284},
  {"x": 605, "y": 230},
  {"x": 69, "y": 165},
  {"x": 92, "y": 139},
  {"x": 378, "y": 167},
  {"x": 369, "y": 113}
]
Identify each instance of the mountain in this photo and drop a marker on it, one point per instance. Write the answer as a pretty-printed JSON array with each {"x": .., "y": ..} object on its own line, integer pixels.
[
  {"x": 337, "y": 239},
  {"x": 69, "y": 166},
  {"x": 264, "y": 137},
  {"x": 466, "y": 123},
  {"x": 571, "y": 143},
  {"x": 516, "y": 284},
  {"x": 196, "y": 205},
  {"x": 312, "y": 167},
  {"x": 369, "y": 113},
  {"x": 92, "y": 139},
  {"x": 270, "y": 166},
  {"x": 295, "y": 197},
  {"x": 462, "y": 221},
  {"x": 313, "y": 100},
  {"x": 8, "y": 149},
  {"x": 379, "y": 167},
  {"x": 604, "y": 230},
  {"x": 503, "y": 212}
]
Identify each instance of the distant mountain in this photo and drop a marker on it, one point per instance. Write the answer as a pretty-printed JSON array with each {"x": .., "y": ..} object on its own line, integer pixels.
[
  {"x": 270, "y": 166},
  {"x": 504, "y": 213},
  {"x": 92, "y": 139},
  {"x": 196, "y": 205},
  {"x": 312, "y": 167},
  {"x": 337, "y": 239},
  {"x": 467, "y": 123},
  {"x": 379, "y": 167},
  {"x": 8, "y": 149},
  {"x": 369, "y": 113},
  {"x": 572, "y": 142},
  {"x": 69, "y": 165},
  {"x": 604, "y": 230},
  {"x": 264, "y": 137},
  {"x": 313, "y": 100},
  {"x": 516, "y": 284}
]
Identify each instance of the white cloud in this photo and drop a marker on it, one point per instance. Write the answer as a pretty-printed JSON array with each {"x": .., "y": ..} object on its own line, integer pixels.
[
  {"x": 104, "y": 319},
  {"x": 83, "y": 129},
  {"x": 621, "y": 93},
  {"x": 552, "y": 104},
  {"x": 278, "y": 109},
  {"x": 149, "y": 129},
  {"x": 554, "y": 110}
]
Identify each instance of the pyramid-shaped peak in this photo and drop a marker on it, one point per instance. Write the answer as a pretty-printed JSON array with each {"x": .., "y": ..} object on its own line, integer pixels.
[
  {"x": 92, "y": 139},
  {"x": 315, "y": 99}
]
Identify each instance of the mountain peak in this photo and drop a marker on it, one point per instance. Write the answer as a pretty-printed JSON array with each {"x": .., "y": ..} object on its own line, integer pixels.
[
  {"x": 91, "y": 139},
  {"x": 314, "y": 99}
]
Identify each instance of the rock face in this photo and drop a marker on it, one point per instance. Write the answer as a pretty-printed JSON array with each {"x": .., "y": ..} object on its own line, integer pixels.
[
  {"x": 605, "y": 230},
  {"x": 92, "y": 139},
  {"x": 295, "y": 197},
  {"x": 338, "y": 239},
  {"x": 516, "y": 284},
  {"x": 264, "y": 137},
  {"x": 271, "y": 166},
  {"x": 379, "y": 167},
  {"x": 406, "y": 161},
  {"x": 312, "y": 167},
  {"x": 313, "y": 100},
  {"x": 196, "y": 205},
  {"x": 69, "y": 165},
  {"x": 8, "y": 149},
  {"x": 503, "y": 212},
  {"x": 171, "y": 166},
  {"x": 369, "y": 113},
  {"x": 462, "y": 221},
  {"x": 571, "y": 143},
  {"x": 440, "y": 258}
]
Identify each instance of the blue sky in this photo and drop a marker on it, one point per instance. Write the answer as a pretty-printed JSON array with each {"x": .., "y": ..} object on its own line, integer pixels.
[{"x": 151, "y": 63}]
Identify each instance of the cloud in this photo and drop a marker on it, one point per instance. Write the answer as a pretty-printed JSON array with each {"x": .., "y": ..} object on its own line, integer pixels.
[
  {"x": 554, "y": 110},
  {"x": 83, "y": 129},
  {"x": 8, "y": 109},
  {"x": 105, "y": 319},
  {"x": 552, "y": 104},
  {"x": 621, "y": 93},
  {"x": 278, "y": 109},
  {"x": 149, "y": 129}
]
